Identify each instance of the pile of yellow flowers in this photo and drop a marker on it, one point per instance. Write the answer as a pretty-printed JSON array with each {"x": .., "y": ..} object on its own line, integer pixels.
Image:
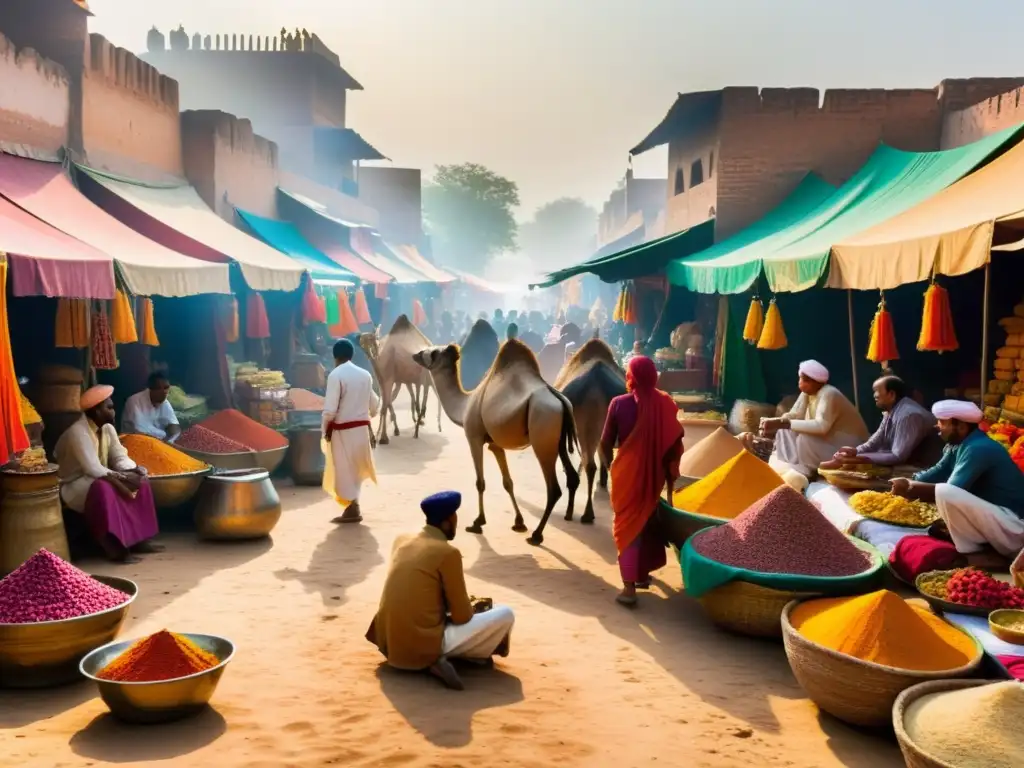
[{"x": 894, "y": 509}]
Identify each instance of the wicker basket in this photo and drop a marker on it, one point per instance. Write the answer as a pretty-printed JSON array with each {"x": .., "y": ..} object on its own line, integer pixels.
[
  {"x": 913, "y": 755},
  {"x": 749, "y": 609},
  {"x": 857, "y": 692},
  {"x": 678, "y": 525}
]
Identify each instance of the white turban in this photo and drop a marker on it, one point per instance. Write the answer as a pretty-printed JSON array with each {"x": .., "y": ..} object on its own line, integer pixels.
[
  {"x": 961, "y": 410},
  {"x": 812, "y": 369}
]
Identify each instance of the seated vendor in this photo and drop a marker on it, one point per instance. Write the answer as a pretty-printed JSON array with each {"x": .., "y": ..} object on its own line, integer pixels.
[
  {"x": 149, "y": 413},
  {"x": 425, "y": 615},
  {"x": 905, "y": 436},
  {"x": 100, "y": 482},
  {"x": 977, "y": 488},
  {"x": 821, "y": 422}
]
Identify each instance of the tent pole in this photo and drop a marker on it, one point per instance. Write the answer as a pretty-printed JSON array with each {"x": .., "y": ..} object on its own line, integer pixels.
[
  {"x": 984, "y": 332},
  {"x": 853, "y": 348}
]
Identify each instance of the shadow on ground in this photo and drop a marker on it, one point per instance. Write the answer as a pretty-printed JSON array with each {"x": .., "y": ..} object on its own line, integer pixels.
[
  {"x": 332, "y": 576},
  {"x": 108, "y": 739}
]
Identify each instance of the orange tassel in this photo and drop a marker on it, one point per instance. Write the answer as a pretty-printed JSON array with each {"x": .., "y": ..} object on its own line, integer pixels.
[
  {"x": 937, "y": 331},
  {"x": 419, "y": 315},
  {"x": 257, "y": 324},
  {"x": 882, "y": 346},
  {"x": 123, "y": 320},
  {"x": 629, "y": 307},
  {"x": 310, "y": 304},
  {"x": 362, "y": 310},
  {"x": 149, "y": 337}
]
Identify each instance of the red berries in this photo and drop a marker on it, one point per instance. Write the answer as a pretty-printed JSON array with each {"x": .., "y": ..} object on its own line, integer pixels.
[{"x": 969, "y": 586}]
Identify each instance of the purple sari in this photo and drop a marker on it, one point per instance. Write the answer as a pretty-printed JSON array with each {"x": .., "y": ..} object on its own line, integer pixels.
[{"x": 130, "y": 521}]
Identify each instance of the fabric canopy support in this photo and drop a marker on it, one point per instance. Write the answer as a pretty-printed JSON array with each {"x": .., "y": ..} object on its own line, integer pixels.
[
  {"x": 286, "y": 238},
  {"x": 148, "y": 268},
  {"x": 46, "y": 262},
  {"x": 180, "y": 209},
  {"x": 795, "y": 256},
  {"x": 948, "y": 234}
]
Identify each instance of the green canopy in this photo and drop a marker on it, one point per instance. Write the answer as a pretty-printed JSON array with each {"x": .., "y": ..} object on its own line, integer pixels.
[
  {"x": 639, "y": 260},
  {"x": 792, "y": 243}
]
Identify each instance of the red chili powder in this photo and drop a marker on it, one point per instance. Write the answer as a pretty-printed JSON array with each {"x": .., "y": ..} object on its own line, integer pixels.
[
  {"x": 161, "y": 656},
  {"x": 199, "y": 438},
  {"x": 236, "y": 426},
  {"x": 304, "y": 400},
  {"x": 782, "y": 533}
]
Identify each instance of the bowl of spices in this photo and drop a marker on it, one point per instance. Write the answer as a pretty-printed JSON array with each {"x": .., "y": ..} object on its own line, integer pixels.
[
  {"x": 238, "y": 433},
  {"x": 51, "y": 615},
  {"x": 174, "y": 476},
  {"x": 165, "y": 676},
  {"x": 1008, "y": 625}
]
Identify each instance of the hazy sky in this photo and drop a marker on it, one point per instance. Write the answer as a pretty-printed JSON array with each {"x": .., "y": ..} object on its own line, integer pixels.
[{"x": 553, "y": 93}]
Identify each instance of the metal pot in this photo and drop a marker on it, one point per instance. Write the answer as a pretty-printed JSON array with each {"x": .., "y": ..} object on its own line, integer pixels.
[
  {"x": 306, "y": 457},
  {"x": 237, "y": 506},
  {"x": 30, "y": 522}
]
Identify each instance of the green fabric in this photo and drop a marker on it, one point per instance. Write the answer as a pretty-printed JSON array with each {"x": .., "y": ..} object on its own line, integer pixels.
[
  {"x": 701, "y": 575},
  {"x": 791, "y": 244},
  {"x": 742, "y": 376},
  {"x": 332, "y": 307},
  {"x": 640, "y": 260}
]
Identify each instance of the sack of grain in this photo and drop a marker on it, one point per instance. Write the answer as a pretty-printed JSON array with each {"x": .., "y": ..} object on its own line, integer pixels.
[
  {"x": 1012, "y": 324},
  {"x": 1005, "y": 364},
  {"x": 1007, "y": 353},
  {"x": 994, "y": 400},
  {"x": 746, "y": 416},
  {"x": 1015, "y": 340},
  {"x": 1011, "y": 402},
  {"x": 1003, "y": 375},
  {"x": 999, "y": 387}
]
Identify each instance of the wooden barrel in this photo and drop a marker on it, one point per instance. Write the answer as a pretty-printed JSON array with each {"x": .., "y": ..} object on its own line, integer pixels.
[{"x": 30, "y": 522}]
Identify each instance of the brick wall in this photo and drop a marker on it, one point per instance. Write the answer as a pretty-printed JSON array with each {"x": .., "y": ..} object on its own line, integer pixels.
[
  {"x": 696, "y": 202},
  {"x": 962, "y": 126},
  {"x": 338, "y": 204},
  {"x": 130, "y": 120},
  {"x": 396, "y": 194},
  {"x": 33, "y": 99}
]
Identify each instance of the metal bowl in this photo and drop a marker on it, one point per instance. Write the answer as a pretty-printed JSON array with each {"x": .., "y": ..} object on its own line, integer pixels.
[
  {"x": 47, "y": 653},
  {"x": 161, "y": 701},
  {"x": 174, "y": 490},
  {"x": 271, "y": 460},
  {"x": 237, "y": 506},
  {"x": 240, "y": 460}
]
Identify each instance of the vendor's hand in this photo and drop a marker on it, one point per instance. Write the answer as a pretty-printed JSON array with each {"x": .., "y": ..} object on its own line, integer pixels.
[
  {"x": 846, "y": 453},
  {"x": 770, "y": 426},
  {"x": 900, "y": 486},
  {"x": 131, "y": 480},
  {"x": 119, "y": 485}
]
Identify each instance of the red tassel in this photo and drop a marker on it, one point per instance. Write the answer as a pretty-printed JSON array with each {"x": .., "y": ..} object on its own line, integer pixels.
[
  {"x": 257, "y": 325},
  {"x": 937, "y": 331},
  {"x": 882, "y": 346},
  {"x": 311, "y": 307}
]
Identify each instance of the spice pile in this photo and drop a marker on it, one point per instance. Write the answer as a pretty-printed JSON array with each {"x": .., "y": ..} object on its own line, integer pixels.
[
  {"x": 971, "y": 727},
  {"x": 1011, "y": 621},
  {"x": 883, "y": 628},
  {"x": 199, "y": 438},
  {"x": 161, "y": 656},
  {"x": 304, "y": 400},
  {"x": 730, "y": 489},
  {"x": 709, "y": 454},
  {"x": 29, "y": 415},
  {"x": 236, "y": 426},
  {"x": 30, "y": 461},
  {"x": 158, "y": 457},
  {"x": 782, "y": 533},
  {"x": 47, "y": 588},
  {"x": 971, "y": 587},
  {"x": 890, "y": 508}
]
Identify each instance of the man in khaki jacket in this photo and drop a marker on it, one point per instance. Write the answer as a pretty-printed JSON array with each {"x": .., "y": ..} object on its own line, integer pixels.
[{"x": 425, "y": 615}]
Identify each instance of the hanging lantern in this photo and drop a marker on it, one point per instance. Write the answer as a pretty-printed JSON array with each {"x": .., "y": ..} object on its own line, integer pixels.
[
  {"x": 882, "y": 344},
  {"x": 362, "y": 310},
  {"x": 104, "y": 356},
  {"x": 149, "y": 337},
  {"x": 419, "y": 315},
  {"x": 755, "y": 321},
  {"x": 257, "y": 324},
  {"x": 123, "y": 320},
  {"x": 937, "y": 331},
  {"x": 773, "y": 335},
  {"x": 231, "y": 322}
]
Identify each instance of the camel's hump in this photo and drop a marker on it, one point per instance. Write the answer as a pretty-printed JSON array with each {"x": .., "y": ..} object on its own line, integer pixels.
[
  {"x": 512, "y": 353},
  {"x": 403, "y": 326}
]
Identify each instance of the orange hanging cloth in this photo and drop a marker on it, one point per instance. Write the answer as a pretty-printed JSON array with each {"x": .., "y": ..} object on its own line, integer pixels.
[
  {"x": 346, "y": 324},
  {"x": 882, "y": 346},
  {"x": 310, "y": 303},
  {"x": 122, "y": 322},
  {"x": 80, "y": 323},
  {"x": 13, "y": 437},
  {"x": 629, "y": 306},
  {"x": 937, "y": 331},
  {"x": 773, "y": 335},
  {"x": 64, "y": 334},
  {"x": 419, "y": 315},
  {"x": 231, "y": 321},
  {"x": 149, "y": 337},
  {"x": 257, "y": 324},
  {"x": 755, "y": 321},
  {"x": 362, "y": 310}
]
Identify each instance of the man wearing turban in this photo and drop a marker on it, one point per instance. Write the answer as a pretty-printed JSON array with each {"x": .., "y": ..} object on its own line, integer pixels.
[
  {"x": 426, "y": 616},
  {"x": 100, "y": 482},
  {"x": 821, "y": 422},
  {"x": 976, "y": 486}
]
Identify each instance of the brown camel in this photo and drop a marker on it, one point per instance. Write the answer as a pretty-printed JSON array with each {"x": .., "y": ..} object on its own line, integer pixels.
[
  {"x": 512, "y": 409},
  {"x": 590, "y": 379}
]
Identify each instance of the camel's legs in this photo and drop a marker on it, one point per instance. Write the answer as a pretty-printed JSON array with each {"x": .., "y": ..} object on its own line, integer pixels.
[
  {"x": 588, "y": 513},
  {"x": 395, "y": 392},
  {"x": 386, "y": 397},
  {"x": 569, "y": 509},
  {"x": 419, "y": 406},
  {"x": 506, "y": 481},
  {"x": 476, "y": 449},
  {"x": 554, "y": 494},
  {"x": 604, "y": 477}
]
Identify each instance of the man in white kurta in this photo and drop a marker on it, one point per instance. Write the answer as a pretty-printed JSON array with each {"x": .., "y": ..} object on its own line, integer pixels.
[
  {"x": 349, "y": 404},
  {"x": 821, "y": 422}
]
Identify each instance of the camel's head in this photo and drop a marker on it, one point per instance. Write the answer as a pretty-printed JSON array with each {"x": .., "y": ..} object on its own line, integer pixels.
[
  {"x": 438, "y": 358},
  {"x": 368, "y": 341}
]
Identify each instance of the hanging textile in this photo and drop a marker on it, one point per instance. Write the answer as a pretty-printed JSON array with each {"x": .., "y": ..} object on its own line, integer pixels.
[
  {"x": 311, "y": 306},
  {"x": 620, "y": 303},
  {"x": 774, "y": 334},
  {"x": 13, "y": 438},
  {"x": 331, "y": 305},
  {"x": 257, "y": 324},
  {"x": 882, "y": 344},
  {"x": 419, "y": 315},
  {"x": 629, "y": 306},
  {"x": 755, "y": 322},
  {"x": 72, "y": 325},
  {"x": 149, "y": 337},
  {"x": 122, "y": 320},
  {"x": 104, "y": 356},
  {"x": 346, "y": 324},
  {"x": 937, "y": 331},
  {"x": 231, "y": 321},
  {"x": 362, "y": 310}
]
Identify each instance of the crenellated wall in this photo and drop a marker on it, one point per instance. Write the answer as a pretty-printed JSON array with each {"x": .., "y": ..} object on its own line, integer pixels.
[
  {"x": 34, "y": 98},
  {"x": 995, "y": 113}
]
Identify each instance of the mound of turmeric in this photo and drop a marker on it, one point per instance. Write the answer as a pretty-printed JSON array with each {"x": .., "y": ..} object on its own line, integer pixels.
[{"x": 730, "y": 489}]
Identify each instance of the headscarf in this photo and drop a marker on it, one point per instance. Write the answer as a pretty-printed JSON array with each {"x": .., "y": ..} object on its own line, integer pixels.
[
  {"x": 961, "y": 410},
  {"x": 440, "y": 506},
  {"x": 641, "y": 377},
  {"x": 814, "y": 370}
]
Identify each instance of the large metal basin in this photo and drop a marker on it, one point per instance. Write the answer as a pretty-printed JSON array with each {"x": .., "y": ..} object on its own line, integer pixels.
[
  {"x": 240, "y": 460},
  {"x": 271, "y": 460},
  {"x": 47, "y": 653},
  {"x": 161, "y": 701},
  {"x": 237, "y": 506},
  {"x": 174, "y": 490},
  {"x": 306, "y": 456}
]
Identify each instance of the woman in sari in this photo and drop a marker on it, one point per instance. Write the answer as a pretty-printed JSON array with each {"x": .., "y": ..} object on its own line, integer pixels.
[{"x": 645, "y": 425}]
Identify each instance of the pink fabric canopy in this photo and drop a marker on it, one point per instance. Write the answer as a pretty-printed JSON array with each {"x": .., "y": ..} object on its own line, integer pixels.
[{"x": 338, "y": 253}]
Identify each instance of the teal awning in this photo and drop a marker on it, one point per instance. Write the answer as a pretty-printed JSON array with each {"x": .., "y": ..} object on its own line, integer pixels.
[
  {"x": 284, "y": 236},
  {"x": 791, "y": 244}
]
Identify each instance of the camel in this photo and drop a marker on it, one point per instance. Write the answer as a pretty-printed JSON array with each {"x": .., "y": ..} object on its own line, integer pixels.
[
  {"x": 589, "y": 380},
  {"x": 513, "y": 408}
]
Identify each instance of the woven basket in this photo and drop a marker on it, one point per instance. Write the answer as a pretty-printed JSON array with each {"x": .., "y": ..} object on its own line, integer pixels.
[
  {"x": 678, "y": 525},
  {"x": 749, "y": 609},
  {"x": 857, "y": 692},
  {"x": 852, "y": 481},
  {"x": 913, "y": 755}
]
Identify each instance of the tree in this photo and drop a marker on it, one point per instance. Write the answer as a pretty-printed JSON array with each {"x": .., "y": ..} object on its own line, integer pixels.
[
  {"x": 561, "y": 232},
  {"x": 468, "y": 209}
]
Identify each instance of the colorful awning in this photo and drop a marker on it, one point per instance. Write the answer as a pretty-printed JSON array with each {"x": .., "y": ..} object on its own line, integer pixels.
[
  {"x": 148, "y": 268},
  {"x": 286, "y": 238},
  {"x": 177, "y": 217},
  {"x": 411, "y": 255},
  {"x": 371, "y": 246},
  {"x": 46, "y": 262}
]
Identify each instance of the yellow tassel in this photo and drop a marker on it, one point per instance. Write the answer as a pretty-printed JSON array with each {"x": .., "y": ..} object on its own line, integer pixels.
[
  {"x": 149, "y": 337},
  {"x": 773, "y": 336},
  {"x": 122, "y": 320},
  {"x": 619, "y": 304},
  {"x": 755, "y": 321}
]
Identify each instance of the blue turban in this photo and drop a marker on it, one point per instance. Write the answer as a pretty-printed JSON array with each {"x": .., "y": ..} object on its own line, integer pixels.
[{"x": 440, "y": 506}]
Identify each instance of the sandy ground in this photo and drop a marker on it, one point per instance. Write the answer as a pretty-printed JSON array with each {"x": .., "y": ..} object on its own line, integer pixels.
[{"x": 588, "y": 682}]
